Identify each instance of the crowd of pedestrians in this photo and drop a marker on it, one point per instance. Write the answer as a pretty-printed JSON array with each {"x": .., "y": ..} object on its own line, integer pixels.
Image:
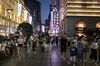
[
  {"x": 14, "y": 45},
  {"x": 79, "y": 51},
  {"x": 6, "y": 47}
]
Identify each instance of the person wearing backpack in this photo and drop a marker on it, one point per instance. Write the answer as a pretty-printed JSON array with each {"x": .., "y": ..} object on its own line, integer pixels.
[{"x": 80, "y": 51}]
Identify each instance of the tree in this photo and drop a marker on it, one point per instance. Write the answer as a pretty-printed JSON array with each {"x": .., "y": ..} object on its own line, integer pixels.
[{"x": 26, "y": 29}]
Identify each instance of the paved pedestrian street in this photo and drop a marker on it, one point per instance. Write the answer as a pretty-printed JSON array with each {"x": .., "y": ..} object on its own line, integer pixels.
[{"x": 48, "y": 58}]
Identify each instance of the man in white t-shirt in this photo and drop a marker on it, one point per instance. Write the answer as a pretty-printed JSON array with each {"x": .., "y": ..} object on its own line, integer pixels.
[{"x": 99, "y": 46}]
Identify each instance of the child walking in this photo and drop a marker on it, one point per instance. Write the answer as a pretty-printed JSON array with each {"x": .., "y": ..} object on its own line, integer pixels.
[{"x": 73, "y": 53}]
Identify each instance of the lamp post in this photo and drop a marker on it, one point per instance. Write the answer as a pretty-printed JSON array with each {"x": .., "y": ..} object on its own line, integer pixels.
[{"x": 9, "y": 11}]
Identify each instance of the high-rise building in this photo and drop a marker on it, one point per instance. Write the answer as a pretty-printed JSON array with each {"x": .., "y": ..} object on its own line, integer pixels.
[
  {"x": 34, "y": 6},
  {"x": 12, "y": 13},
  {"x": 54, "y": 18},
  {"x": 47, "y": 25},
  {"x": 79, "y": 16}
]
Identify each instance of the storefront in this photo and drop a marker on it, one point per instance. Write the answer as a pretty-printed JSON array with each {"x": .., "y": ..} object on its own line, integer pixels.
[
  {"x": 98, "y": 28},
  {"x": 12, "y": 13},
  {"x": 80, "y": 28}
]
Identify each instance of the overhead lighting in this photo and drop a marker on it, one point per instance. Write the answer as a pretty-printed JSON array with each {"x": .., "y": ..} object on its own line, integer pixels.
[{"x": 9, "y": 10}]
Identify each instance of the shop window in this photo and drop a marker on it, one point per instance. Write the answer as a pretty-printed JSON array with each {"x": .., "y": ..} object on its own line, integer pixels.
[
  {"x": 6, "y": 12},
  {"x": 1, "y": 21},
  {"x": 0, "y": 9},
  {"x": 80, "y": 34},
  {"x": 81, "y": 24},
  {"x": 14, "y": 16},
  {"x": 5, "y": 23},
  {"x": 98, "y": 25}
]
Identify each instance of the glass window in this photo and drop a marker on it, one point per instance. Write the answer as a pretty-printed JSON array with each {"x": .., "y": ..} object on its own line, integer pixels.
[
  {"x": 0, "y": 8},
  {"x": 6, "y": 12},
  {"x": 81, "y": 24},
  {"x": 98, "y": 25},
  {"x": 5, "y": 23},
  {"x": 1, "y": 21}
]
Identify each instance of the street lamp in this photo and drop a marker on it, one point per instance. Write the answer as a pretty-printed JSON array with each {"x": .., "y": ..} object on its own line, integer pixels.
[{"x": 9, "y": 11}]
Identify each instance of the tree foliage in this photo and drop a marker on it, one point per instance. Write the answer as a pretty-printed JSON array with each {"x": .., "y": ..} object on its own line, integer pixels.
[{"x": 26, "y": 29}]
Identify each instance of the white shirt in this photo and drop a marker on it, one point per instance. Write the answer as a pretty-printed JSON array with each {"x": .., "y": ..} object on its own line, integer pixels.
[
  {"x": 94, "y": 46},
  {"x": 20, "y": 40}
]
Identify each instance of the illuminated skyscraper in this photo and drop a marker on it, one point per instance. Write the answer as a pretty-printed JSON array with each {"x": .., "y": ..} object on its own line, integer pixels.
[{"x": 54, "y": 18}]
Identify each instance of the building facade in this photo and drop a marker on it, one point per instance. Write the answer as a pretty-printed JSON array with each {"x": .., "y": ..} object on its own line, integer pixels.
[
  {"x": 12, "y": 13},
  {"x": 79, "y": 17},
  {"x": 54, "y": 18},
  {"x": 35, "y": 10}
]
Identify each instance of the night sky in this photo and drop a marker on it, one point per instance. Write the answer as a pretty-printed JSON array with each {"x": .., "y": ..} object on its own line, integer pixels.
[{"x": 44, "y": 9}]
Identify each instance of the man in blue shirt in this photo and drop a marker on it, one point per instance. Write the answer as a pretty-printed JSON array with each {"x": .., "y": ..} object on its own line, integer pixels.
[{"x": 73, "y": 53}]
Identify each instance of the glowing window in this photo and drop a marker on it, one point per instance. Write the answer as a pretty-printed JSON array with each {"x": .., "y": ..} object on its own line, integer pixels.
[
  {"x": 81, "y": 24},
  {"x": 0, "y": 8},
  {"x": 80, "y": 34},
  {"x": 98, "y": 25}
]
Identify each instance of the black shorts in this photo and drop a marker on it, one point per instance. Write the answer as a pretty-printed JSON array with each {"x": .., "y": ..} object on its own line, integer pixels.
[
  {"x": 63, "y": 49},
  {"x": 93, "y": 54},
  {"x": 20, "y": 45}
]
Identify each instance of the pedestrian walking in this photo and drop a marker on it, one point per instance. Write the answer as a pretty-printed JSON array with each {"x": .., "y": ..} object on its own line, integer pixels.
[
  {"x": 93, "y": 54},
  {"x": 63, "y": 42},
  {"x": 34, "y": 42},
  {"x": 73, "y": 53},
  {"x": 29, "y": 47},
  {"x": 80, "y": 51},
  {"x": 86, "y": 50},
  {"x": 56, "y": 41},
  {"x": 98, "y": 41},
  {"x": 20, "y": 42}
]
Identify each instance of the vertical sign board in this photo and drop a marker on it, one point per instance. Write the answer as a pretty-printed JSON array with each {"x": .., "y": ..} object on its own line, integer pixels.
[{"x": 19, "y": 9}]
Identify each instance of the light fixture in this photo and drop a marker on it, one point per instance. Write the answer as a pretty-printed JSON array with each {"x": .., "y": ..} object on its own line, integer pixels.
[{"x": 9, "y": 10}]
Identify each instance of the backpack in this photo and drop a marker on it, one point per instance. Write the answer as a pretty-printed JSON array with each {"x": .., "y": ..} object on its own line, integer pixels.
[{"x": 80, "y": 44}]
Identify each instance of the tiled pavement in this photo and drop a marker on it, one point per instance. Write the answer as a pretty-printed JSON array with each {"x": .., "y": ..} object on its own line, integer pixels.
[{"x": 50, "y": 58}]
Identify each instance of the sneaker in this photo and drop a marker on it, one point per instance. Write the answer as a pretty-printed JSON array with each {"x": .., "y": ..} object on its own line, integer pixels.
[
  {"x": 96, "y": 64},
  {"x": 35, "y": 53},
  {"x": 64, "y": 59},
  {"x": 68, "y": 62},
  {"x": 74, "y": 65}
]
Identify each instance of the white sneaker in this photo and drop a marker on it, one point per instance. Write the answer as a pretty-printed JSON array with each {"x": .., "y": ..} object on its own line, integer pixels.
[
  {"x": 64, "y": 59},
  {"x": 74, "y": 65},
  {"x": 96, "y": 64},
  {"x": 68, "y": 62}
]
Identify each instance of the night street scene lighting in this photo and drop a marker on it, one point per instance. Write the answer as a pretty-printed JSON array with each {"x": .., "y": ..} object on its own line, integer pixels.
[{"x": 49, "y": 32}]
